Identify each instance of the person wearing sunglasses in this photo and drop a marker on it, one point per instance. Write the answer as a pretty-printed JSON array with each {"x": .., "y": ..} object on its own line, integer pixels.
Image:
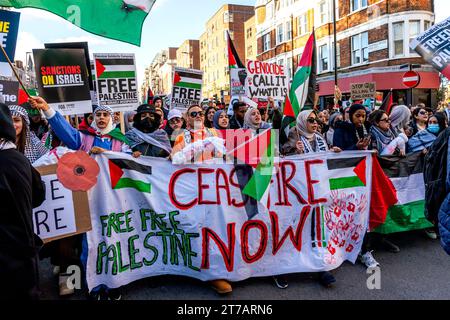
[
  {"x": 196, "y": 132},
  {"x": 304, "y": 137},
  {"x": 383, "y": 138},
  {"x": 420, "y": 120}
]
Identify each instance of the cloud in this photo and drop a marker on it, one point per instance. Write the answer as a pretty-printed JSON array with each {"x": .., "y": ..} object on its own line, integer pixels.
[{"x": 26, "y": 42}]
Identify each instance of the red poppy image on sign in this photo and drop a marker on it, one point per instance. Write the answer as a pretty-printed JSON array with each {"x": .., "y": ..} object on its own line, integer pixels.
[{"x": 77, "y": 171}]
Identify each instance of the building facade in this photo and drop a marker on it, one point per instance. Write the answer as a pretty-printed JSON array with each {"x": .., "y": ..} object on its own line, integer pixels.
[
  {"x": 188, "y": 55},
  {"x": 373, "y": 39},
  {"x": 250, "y": 39},
  {"x": 213, "y": 47},
  {"x": 160, "y": 71}
]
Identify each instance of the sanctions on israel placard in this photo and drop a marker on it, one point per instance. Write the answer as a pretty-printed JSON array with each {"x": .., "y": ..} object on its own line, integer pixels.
[
  {"x": 150, "y": 217},
  {"x": 187, "y": 88},
  {"x": 63, "y": 80},
  {"x": 116, "y": 82}
]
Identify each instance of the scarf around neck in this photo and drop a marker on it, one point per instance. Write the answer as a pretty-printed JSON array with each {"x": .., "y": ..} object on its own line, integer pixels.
[{"x": 156, "y": 138}]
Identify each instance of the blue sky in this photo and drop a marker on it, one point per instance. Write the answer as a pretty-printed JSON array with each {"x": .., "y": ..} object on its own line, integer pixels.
[{"x": 169, "y": 23}]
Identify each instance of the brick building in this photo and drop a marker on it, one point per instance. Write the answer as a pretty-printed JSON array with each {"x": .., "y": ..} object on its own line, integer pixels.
[
  {"x": 160, "y": 71},
  {"x": 372, "y": 42},
  {"x": 188, "y": 55},
  {"x": 213, "y": 47}
]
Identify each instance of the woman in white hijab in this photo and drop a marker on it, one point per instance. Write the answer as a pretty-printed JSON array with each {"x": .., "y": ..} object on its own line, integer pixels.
[
  {"x": 304, "y": 137},
  {"x": 400, "y": 118},
  {"x": 253, "y": 120}
]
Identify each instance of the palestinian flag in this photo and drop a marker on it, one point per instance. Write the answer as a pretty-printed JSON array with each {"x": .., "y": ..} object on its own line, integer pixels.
[
  {"x": 129, "y": 174},
  {"x": 189, "y": 80},
  {"x": 347, "y": 173},
  {"x": 406, "y": 176},
  {"x": 257, "y": 153},
  {"x": 387, "y": 103},
  {"x": 115, "y": 19},
  {"x": 233, "y": 58},
  {"x": 115, "y": 68},
  {"x": 302, "y": 91}
]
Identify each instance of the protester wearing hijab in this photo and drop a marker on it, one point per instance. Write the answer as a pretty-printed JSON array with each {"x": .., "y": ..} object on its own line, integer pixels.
[
  {"x": 253, "y": 120},
  {"x": 221, "y": 120},
  {"x": 209, "y": 116},
  {"x": 21, "y": 190},
  {"x": 437, "y": 123},
  {"x": 304, "y": 137},
  {"x": 383, "y": 138},
  {"x": 400, "y": 118},
  {"x": 26, "y": 141},
  {"x": 146, "y": 138},
  {"x": 352, "y": 135},
  {"x": 101, "y": 136}
]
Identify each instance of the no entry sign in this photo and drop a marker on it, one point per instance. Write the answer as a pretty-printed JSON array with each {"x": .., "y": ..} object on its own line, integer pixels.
[{"x": 411, "y": 79}]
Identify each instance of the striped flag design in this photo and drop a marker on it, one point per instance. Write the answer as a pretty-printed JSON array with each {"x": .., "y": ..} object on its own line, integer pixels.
[
  {"x": 129, "y": 174},
  {"x": 347, "y": 173},
  {"x": 406, "y": 175},
  {"x": 188, "y": 80},
  {"x": 115, "y": 68}
]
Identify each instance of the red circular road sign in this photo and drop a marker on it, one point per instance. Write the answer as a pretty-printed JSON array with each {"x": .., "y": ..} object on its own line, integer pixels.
[{"x": 411, "y": 79}]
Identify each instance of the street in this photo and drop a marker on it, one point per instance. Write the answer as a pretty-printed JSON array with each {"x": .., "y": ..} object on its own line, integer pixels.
[{"x": 419, "y": 271}]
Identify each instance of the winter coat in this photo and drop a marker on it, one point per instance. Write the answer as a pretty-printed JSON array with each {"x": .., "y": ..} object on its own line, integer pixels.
[
  {"x": 345, "y": 136},
  {"x": 444, "y": 211},
  {"x": 21, "y": 190},
  {"x": 435, "y": 173}
]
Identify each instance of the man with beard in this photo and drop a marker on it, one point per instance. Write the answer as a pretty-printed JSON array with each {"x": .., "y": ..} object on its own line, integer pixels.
[{"x": 146, "y": 138}]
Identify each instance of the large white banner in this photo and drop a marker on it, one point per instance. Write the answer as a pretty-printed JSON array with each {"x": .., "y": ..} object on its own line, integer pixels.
[{"x": 151, "y": 218}]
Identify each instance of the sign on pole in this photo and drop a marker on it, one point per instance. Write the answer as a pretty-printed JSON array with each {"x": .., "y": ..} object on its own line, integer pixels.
[
  {"x": 10, "y": 91},
  {"x": 238, "y": 76},
  {"x": 266, "y": 80},
  {"x": 411, "y": 79},
  {"x": 434, "y": 46},
  {"x": 116, "y": 82},
  {"x": 9, "y": 28},
  {"x": 362, "y": 91},
  {"x": 187, "y": 88},
  {"x": 63, "y": 80}
]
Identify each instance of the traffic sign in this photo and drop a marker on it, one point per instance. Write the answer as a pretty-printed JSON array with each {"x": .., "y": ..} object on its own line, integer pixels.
[{"x": 411, "y": 79}]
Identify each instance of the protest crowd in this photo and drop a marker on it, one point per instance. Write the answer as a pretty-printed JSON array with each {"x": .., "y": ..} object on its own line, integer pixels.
[
  {"x": 26, "y": 137},
  {"x": 358, "y": 148}
]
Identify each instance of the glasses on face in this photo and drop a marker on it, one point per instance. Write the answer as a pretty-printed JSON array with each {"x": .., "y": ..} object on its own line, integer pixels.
[
  {"x": 387, "y": 120},
  {"x": 311, "y": 120},
  {"x": 423, "y": 113},
  {"x": 195, "y": 114}
]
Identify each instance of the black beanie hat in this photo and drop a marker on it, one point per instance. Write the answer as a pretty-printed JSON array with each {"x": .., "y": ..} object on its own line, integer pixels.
[
  {"x": 355, "y": 108},
  {"x": 7, "y": 130}
]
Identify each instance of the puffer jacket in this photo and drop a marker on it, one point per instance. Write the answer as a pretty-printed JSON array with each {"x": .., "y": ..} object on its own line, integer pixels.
[{"x": 444, "y": 211}]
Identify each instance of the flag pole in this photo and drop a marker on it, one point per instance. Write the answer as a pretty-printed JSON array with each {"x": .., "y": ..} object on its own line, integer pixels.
[{"x": 14, "y": 71}]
